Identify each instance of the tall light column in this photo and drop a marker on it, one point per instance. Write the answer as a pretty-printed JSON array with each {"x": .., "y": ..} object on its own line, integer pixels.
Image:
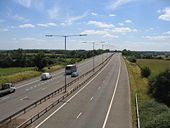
[{"x": 65, "y": 38}]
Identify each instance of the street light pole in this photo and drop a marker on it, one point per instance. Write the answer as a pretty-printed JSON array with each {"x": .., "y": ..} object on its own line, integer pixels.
[
  {"x": 65, "y": 89},
  {"x": 102, "y": 52},
  {"x": 65, "y": 40},
  {"x": 93, "y": 56},
  {"x": 93, "y": 43}
]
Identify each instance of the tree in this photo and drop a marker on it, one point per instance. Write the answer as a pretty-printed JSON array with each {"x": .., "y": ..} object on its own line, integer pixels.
[
  {"x": 40, "y": 61},
  {"x": 132, "y": 59},
  {"x": 19, "y": 57},
  {"x": 159, "y": 87},
  {"x": 145, "y": 72}
]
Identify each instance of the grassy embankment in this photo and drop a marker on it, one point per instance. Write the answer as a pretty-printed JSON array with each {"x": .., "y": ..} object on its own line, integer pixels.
[
  {"x": 137, "y": 85},
  {"x": 18, "y": 74},
  {"x": 140, "y": 85}
]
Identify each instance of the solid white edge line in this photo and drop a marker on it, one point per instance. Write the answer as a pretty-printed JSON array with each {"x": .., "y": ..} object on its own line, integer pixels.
[
  {"x": 69, "y": 99},
  {"x": 111, "y": 102}
]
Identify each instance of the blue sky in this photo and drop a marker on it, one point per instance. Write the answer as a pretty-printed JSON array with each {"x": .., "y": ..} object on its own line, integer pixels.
[{"x": 121, "y": 24}]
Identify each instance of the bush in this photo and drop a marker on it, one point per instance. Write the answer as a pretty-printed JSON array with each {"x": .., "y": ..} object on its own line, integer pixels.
[
  {"x": 154, "y": 115},
  {"x": 145, "y": 72},
  {"x": 132, "y": 59},
  {"x": 159, "y": 87}
]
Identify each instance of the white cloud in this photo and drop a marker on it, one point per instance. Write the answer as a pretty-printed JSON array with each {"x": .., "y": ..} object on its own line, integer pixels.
[
  {"x": 117, "y": 3},
  {"x": 121, "y": 24},
  {"x": 124, "y": 29},
  {"x": 144, "y": 46},
  {"x": 166, "y": 15},
  {"x": 157, "y": 37},
  {"x": 110, "y": 36},
  {"x": 128, "y": 21},
  {"x": 94, "y": 14},
  {"x": 100, "y": 24},
  {"x": 168, "y": 32},
  {"x": 93, "y": 32},
  {"x": 25, "y": 3},
  {"x": 70, "y": 20},
  {"x": 103, "y": 33},
  {"x": 53, "y": 13},
  {"x": 26, "y": 26},
  {"x": 112, "y": 15},
  {"x": 47, "y": 24},
  {"x": 31, "y": 39}
]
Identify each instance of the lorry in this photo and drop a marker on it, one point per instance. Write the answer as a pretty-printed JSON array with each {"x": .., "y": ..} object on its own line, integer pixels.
[
  {"x": 70, "y": 69},
  {"x": 7, "y": 88}
]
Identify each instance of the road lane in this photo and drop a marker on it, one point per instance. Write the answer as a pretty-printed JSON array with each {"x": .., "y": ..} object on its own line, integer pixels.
[
  {"x": 34, "y": 91},
  {"x": 120, "y": 113},
  {"x": 88, "y": 108}
]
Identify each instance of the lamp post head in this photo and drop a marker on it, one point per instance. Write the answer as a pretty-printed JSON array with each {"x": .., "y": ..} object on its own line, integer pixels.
[
  {"x": 83, "y": 34},
  {"x": 48, "y": 35}
]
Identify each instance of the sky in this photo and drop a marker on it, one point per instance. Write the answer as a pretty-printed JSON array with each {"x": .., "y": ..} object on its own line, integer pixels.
[{"x": 140, "y": 25}]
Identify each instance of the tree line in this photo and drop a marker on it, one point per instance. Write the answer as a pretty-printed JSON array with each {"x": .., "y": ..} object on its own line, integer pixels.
[{"x": 42, "y": 58}]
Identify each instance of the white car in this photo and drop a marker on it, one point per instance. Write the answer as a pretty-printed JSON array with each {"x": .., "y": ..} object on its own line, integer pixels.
[{"x": 45, "y": 76}]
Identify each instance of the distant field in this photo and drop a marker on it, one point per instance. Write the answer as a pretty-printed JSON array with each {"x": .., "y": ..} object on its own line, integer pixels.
[
  {"x": 10, "y": 71},
  {"x": 156, "y": 66}
]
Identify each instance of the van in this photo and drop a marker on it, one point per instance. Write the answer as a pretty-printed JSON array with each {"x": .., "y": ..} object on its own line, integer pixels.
[
  {"x": 70, "y": 69},
  {"x": 45, "y": 76},
  {"x": 7, "y": 88}
]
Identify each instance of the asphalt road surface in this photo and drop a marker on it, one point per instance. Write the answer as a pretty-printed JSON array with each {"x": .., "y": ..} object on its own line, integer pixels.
[
  {"x": 104, "y": 102},
  {"x": 31, "y": 90}
]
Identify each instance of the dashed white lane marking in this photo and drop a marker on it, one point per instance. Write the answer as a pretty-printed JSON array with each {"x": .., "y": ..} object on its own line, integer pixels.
[
  {"x": 4, "y": 98},
  {"x": 27, "y": 89},
  {"x": 44, "y": 88},
  {"x": 91, "y": 98},
  {"x": 24, "y": 98},
  {"x": 79, "y": 115},
  {"x": 26, "y": 84}
]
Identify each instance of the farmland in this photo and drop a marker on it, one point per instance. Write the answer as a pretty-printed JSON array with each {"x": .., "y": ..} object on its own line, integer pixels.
[
  {"x": 10, "y": 71},
  {"x": 156, "y": 66}
]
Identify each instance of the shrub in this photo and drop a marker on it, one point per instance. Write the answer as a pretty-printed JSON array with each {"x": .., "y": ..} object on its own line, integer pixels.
[
  {"x": 132, "y": 59},
  {"x": 154, "y": 115},
  {"x": 159, "y": 87},
  {"x": 145, "y": 72}
]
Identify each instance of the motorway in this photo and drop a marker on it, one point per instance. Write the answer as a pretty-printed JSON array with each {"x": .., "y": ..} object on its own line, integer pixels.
[
  {"x": 103, "y": 102},
  {"x": 31, "y": 90}
]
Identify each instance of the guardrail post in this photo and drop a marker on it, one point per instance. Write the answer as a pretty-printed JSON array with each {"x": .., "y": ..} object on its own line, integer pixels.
[{"x": 137, "y": 111}]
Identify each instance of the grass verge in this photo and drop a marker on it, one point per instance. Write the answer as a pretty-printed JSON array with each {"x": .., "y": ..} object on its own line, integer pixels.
[
  {"x": 19, "y": 76},
  {"x": 10, "y": 71},
  {"x": 137, "y": 85}
]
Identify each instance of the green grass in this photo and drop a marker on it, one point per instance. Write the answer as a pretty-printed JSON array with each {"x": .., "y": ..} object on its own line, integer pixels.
[
  {"x": 137, "y": 85},
  {"x": 156, "y": 66},
  {"x": 10, "y": 71}
]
